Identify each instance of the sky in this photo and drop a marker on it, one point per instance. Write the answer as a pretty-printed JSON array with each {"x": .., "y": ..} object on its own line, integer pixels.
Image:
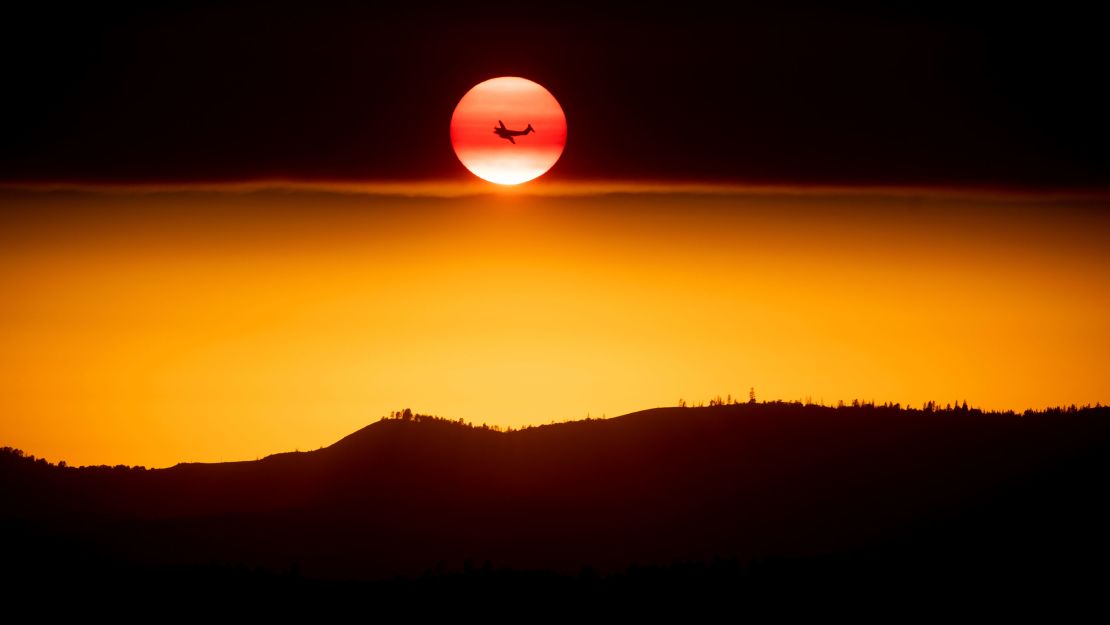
[
  {"x": 803, "y": 92},
  {"x": 161, "y": 326},
  {"x": 233, "y": 229}
]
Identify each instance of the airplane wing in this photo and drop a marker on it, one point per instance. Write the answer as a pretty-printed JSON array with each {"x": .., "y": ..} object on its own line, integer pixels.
[
  {"x": 512, "y": 140},
  {"x": 502, "y": 125}
]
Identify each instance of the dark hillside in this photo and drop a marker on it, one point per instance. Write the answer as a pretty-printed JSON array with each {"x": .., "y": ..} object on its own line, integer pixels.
[{"x": 961, "y": 489}]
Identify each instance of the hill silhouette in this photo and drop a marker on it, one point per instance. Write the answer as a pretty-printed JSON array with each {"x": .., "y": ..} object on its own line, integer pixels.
[{"x": 872, "y": 491}]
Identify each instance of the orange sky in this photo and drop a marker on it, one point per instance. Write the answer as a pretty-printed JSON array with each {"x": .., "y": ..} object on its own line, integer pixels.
[{"x": 219, "y": 324}]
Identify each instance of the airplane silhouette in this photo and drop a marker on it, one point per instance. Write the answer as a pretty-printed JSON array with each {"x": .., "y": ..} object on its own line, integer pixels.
[{"x": 505, "y": 133}]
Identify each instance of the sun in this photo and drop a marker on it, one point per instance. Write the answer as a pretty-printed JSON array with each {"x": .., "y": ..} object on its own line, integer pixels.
[{"x": 508, "y": 130}]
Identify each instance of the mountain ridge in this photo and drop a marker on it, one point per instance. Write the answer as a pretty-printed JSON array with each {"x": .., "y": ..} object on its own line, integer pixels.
[{"x": 745, "y": 481}]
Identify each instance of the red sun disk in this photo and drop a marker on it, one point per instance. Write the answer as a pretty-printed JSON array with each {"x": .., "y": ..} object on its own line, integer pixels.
[{"x": 517, "y": 102}]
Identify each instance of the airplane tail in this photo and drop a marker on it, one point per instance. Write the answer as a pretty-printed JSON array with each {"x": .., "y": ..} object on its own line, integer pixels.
[{"x": 529, "y": 129}]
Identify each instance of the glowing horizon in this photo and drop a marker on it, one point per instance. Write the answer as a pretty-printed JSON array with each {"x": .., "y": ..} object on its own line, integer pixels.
[{"x": 152, "y": 325}]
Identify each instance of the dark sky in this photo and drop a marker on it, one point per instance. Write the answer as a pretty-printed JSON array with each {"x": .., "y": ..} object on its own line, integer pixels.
[{"x": 801, "y": 93}]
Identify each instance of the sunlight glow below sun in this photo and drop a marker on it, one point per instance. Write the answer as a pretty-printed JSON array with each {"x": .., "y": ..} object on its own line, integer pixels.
[
  {"x": 158, "y": 327},
  {"x": 518, "y": 103}
]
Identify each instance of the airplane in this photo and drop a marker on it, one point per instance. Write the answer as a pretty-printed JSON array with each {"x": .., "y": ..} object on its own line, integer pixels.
[{"x": 505, "y": 133}]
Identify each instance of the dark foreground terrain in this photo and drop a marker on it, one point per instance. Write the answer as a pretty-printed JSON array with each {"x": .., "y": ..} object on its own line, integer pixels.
[{"x": 762, "y": 507}]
